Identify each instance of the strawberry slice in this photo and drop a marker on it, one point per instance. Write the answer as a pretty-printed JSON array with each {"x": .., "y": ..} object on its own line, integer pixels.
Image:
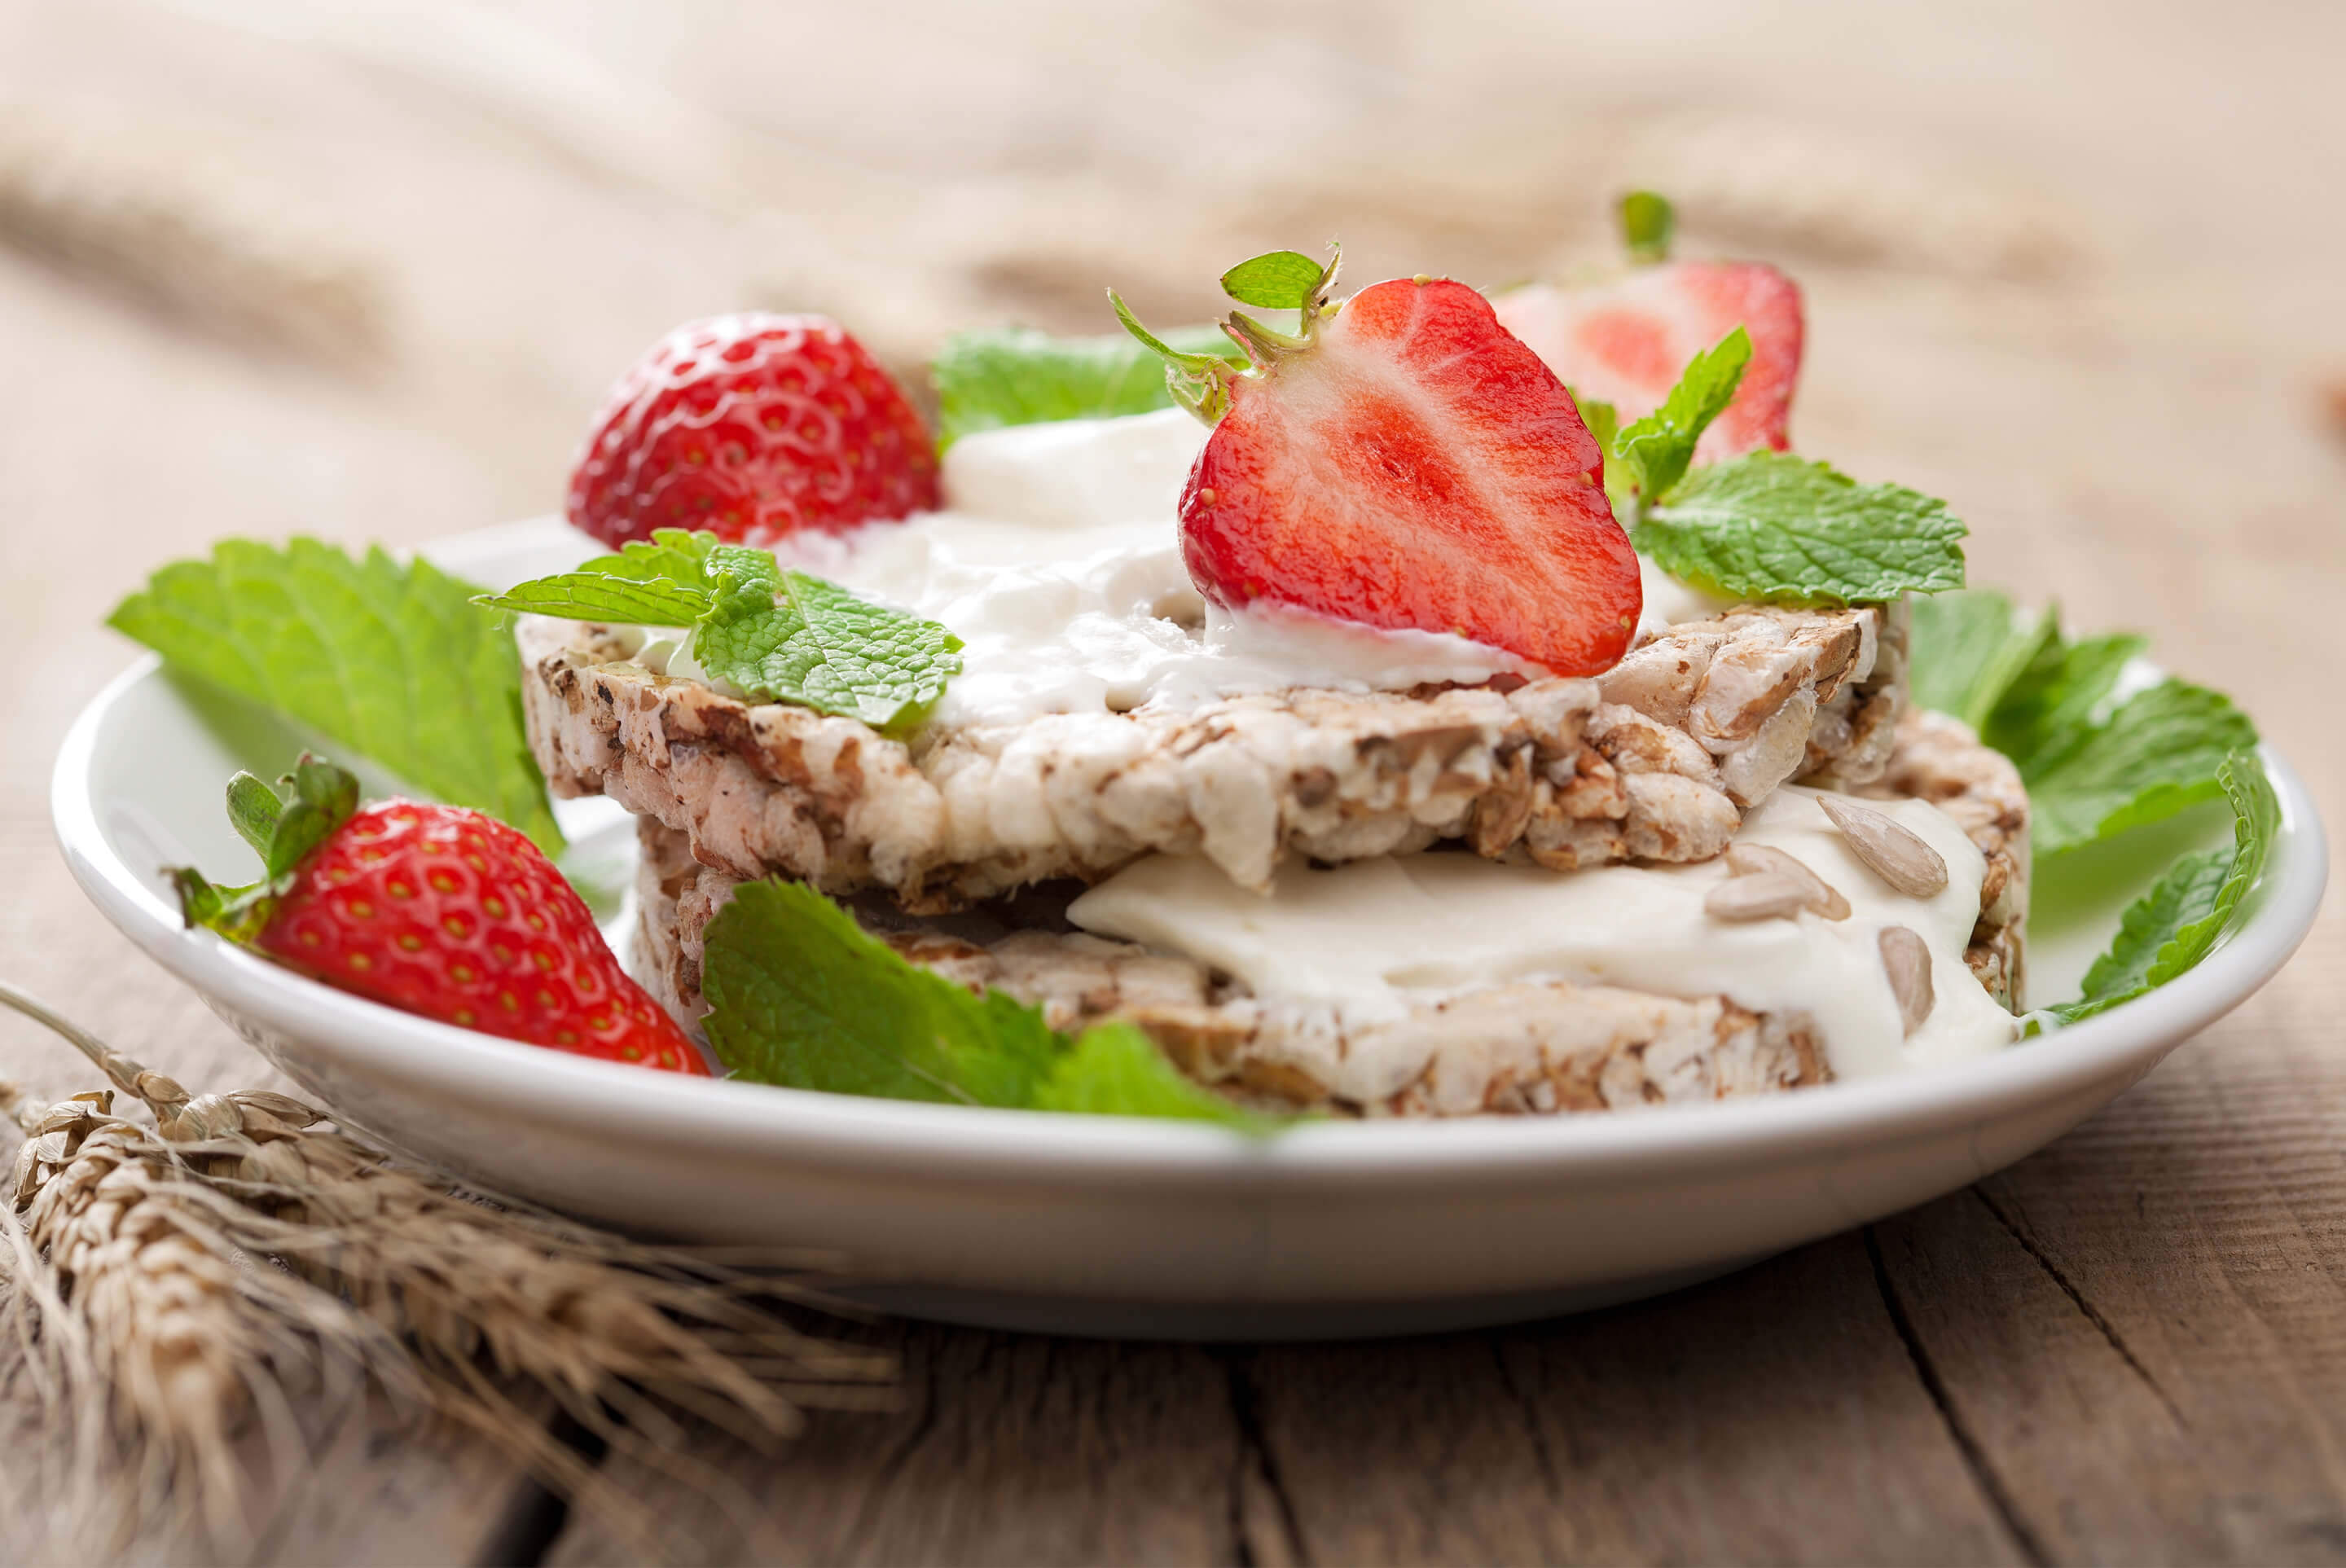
[
  {"x": 1625, "y": 341},
  {"x": 1409, "y": 464}
]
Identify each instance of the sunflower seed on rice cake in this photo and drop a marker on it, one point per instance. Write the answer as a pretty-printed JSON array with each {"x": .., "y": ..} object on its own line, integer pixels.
[
  {"x": 1528, "y": 1047},
  {"x": 1517, "y": 1048},
  {"x": 1657, "y": 760}
]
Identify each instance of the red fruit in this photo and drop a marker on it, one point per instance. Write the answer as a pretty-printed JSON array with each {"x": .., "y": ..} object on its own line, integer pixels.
[
  {"x": 454, "y": 915},
  {"x": 1626, "y": 342},
  {"x": 1415, "y": 466},
  {"x": 753, "y": 426}
]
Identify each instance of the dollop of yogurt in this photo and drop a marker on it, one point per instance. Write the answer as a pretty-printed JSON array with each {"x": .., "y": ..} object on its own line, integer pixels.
[
  {"x": 1058, "y": 562},
  {"x": 1369, "y": 936}
]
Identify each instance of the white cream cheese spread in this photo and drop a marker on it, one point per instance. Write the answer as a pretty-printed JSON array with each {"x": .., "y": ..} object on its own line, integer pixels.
[
  {"x": 1367, "y": 935},
  {"x": 1058, "y": 563}
]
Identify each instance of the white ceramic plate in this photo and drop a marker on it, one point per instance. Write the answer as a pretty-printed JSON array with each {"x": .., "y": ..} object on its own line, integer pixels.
[{"x": 1096, "y": 1225}]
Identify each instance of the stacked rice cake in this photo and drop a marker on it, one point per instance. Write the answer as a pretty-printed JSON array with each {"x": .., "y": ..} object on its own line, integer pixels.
[{"x": 964, "y": 847}]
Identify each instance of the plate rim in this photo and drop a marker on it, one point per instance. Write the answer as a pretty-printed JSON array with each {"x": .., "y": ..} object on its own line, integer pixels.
[{"x": 840, "y": 1131}]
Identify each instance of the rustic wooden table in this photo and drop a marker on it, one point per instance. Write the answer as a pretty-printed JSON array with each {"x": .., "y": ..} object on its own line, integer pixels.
[{"x": 362, "y": 271}]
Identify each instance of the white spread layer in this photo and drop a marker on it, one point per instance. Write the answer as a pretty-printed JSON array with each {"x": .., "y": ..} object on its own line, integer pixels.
[
  {"x": 1058, "y": 562},
  {"x": 1364, "y": 936}
]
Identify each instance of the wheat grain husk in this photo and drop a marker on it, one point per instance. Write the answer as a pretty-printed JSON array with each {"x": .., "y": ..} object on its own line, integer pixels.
[{"x": 244, "y": 1267}]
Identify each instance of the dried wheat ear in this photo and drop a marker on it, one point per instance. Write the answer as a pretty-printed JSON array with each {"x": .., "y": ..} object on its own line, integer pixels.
[{"x": 142, "y": 1328}]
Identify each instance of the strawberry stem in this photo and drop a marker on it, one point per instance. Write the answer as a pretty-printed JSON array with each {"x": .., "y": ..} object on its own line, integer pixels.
[
  {"x": 1647, "y": 223},
  {"x": 1198, "y": 382},
  {"x": 1281, "y": 280},
  {"x": 282, "y": 830},
  {"x": 1262, "y": 343}
]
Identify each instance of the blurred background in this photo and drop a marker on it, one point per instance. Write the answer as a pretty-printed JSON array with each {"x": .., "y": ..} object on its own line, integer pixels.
[{"x": 364, "y": 269}]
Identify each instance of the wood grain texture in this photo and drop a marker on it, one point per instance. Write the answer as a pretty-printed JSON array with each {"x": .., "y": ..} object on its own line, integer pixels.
[
  {"x": 1697, "y": 1429},
  {"x": 2106, "y": 352},
  {"x": 1007, "y": 1448}
]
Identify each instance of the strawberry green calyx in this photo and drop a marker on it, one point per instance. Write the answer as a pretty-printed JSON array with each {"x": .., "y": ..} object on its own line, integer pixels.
[
  {"x": 1198, "y": 382},
  {"x": 1277, "y": 281},
  {"x": 1647, "y": 221},
  {"x": 283, "y": 830}
]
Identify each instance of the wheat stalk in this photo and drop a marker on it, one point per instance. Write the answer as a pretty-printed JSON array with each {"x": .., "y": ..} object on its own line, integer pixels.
[{"x": 242, "y": 1262}]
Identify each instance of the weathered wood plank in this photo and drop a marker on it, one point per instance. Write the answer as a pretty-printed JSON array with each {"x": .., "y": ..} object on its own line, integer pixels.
[
  {"x": 1007, "y": 1448},
  {"x": 1771, "y": 1417},
  {"x": 2143, "y": 1329}
]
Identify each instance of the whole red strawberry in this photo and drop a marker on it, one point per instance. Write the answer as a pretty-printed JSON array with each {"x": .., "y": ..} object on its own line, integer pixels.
[
  {"x": 435, "y": 910},
  {"x": 1407, "y": 464},
  {"x": 753, "y": 426}
]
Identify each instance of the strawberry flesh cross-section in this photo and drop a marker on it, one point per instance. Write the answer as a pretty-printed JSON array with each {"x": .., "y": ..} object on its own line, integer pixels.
[
  {"x": 1625, "y": 341},
  {"x": 1409, "y": 464}
]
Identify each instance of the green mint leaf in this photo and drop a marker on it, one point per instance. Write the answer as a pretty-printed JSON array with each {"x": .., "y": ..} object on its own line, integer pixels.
[
  {"x": 254, "y": 811},
  {"x": 1647, "y": 221},
  {"x": 820, "y": 646},
  {"x": 1658, "y": 448},
  {"x": 1115, "y": 1069},
  {"x": 2093, "y": 767},
  {"x": 2059, "y": 698},
  {"x": 1281, "y": 280},
  {"x": 677, "y": 555},
  {"x": 393, "y": 661},
  {"x": 986, "y": 381},
  {"x": 772, "y": 636},
  {"x": 2179, "y": 921},
  {"x": 663, "y": 581},
  {"x": 1968, "y": 648},
  {"x": 1603, "y": 420},
  {"x": 1771, "y": 525},
  {"x": 2159, "y": 752},
  {"x": 801, "y": 996},
  {"x": 595, "y": 596}
]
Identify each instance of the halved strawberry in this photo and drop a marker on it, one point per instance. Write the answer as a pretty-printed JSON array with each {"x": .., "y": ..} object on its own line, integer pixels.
[
  {"x": 1408, "y": 464},
  {"x": 1625, "y": 341}
]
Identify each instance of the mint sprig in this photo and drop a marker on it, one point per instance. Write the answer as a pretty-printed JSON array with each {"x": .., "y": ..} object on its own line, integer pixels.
[
  {"x": 1970, "y": 649},
  {"x": 1766, "y": 525},
  {"x": 1771, "y": 525},
  {"x": 773, "y": 635},
  {"x": 389, "y": 659},
  {"x": 990, "y": 380},
  {"x": 802, "y": 996},
  {"x": 2095, "y": 765},
  {"x": 812, "y": 643},
  {"x": 1657, "y": 449},
  {"x": 2198, "y": 903},
  {"x": 2159, "y": 751}
]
